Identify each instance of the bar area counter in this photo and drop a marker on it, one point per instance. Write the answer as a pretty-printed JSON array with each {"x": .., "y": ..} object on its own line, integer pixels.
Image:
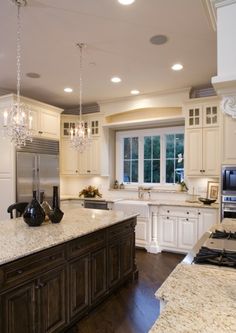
[{"x": 54, "y": 274}]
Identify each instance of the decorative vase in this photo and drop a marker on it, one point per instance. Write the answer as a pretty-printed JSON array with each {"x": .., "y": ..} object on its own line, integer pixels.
[
  {"x": 55, "y": 215},
  {"x": 34, "y": 214},
  {"x": 45, "y": 205}
]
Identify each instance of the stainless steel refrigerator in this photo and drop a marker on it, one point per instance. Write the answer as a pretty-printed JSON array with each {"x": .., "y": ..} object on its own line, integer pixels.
[{"x": 37, "y": 168}]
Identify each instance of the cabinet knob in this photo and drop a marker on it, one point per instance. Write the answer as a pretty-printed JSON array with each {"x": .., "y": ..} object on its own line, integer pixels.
[
  {"x": 187, "y": 219},
  {"x": 76, "y": 171},
  {"x": 40, "y": 132},
  {"x": 167, "y": 217},
  {"x": 168, "y": 211},
  {"x": 187, "y": 212},
  {"x": 20, "y": 271},
  {"x": 199, "y": 213},
  {"x": 88, "y": 171},
  {"x": 40, "y": 285}
]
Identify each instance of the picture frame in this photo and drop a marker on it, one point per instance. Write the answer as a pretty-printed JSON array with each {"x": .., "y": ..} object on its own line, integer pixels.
[{"x": 212, "y": 190}]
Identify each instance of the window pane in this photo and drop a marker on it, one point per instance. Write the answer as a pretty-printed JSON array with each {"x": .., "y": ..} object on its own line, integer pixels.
[
  {"x": 170, "y": 171},
  {"x": 147, "y": 171},
  {"x": 126, "y": 177},
  {"x": 156, "y": 171},
  {"x": 134, "y": 148},
  {"x": 179, "y": 140},
  {"x": 134, "y": 171},
  {"x": 156, "y": 147},
  {"x": 147, "y": 147},
  {"x": 170, "y": 146},
  {"x": 127, "y": 148}
]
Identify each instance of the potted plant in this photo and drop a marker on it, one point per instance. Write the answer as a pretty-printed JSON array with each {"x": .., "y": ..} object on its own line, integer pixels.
[{"x": 90, "y": 192}]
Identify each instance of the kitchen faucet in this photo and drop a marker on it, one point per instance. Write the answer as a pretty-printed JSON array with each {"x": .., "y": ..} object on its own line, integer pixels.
[{"x": 142, "y": 190}]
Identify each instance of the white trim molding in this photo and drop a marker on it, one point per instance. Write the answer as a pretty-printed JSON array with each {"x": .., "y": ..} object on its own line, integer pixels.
[
  {"x": 222, "y": 3},
  {"x": 228, "y": 105},
  {"x": 210, "y": 10}
]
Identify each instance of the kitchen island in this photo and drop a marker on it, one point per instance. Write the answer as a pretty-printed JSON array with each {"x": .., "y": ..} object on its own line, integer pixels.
[
  {"x": 52, "y": 275},
  {"x": 198, "y": 298}
]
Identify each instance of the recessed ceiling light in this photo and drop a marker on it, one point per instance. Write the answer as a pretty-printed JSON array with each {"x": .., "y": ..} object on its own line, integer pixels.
[
  {"x": 158, "y": 39},
  {"x": 115, "y": 79},
  {"x": 68, "y": 90},
  {"x": 177, "y": 67},
  {"x": 126, "y": 2},
  {"x": 33, "y": 75},
  {"x": 135, "y": 92}
]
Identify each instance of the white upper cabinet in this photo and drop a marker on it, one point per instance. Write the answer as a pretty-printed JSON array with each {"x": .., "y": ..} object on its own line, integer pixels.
[
  {"x": 228, "y": 134},
  {"x": 88, "y": 162},
  {"x": 202, "y": 143}
]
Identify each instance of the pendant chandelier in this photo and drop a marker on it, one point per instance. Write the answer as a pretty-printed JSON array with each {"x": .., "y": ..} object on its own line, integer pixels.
[
  {"x": 17, "y": 119},
  {"x": 80, "y": 134}
]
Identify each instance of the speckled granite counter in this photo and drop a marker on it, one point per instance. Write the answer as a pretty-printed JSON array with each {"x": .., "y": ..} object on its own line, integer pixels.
[
  {"x": 17, "y": 239},
  {"x": 199, "y": 298}
]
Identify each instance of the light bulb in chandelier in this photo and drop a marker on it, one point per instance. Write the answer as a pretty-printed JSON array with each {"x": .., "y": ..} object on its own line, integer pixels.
[
  {"x": 80, "y": 134},
  {"x": 17, "y": 119}
]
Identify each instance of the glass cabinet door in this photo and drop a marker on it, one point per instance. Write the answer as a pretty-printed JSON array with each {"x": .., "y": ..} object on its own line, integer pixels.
[{"x": 194, "y": 117}]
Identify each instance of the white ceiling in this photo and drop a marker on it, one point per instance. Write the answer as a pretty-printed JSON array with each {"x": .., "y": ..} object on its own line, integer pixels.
[{"x": 118, "y": 44}]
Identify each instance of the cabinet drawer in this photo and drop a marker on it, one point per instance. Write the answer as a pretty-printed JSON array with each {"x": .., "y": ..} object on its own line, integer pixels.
[
  {"x": 30, "y": 266},
  {"x": 84, "y": 244},
  {"x": 122, "y": 228},
  {"x": 178, "y": 211}
]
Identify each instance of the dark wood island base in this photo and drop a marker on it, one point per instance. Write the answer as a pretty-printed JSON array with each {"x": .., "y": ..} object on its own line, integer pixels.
[{"x": 49, "y": 291}]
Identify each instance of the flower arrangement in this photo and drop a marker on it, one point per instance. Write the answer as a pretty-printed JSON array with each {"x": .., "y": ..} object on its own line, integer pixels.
[{"x": 90, "y": 192}]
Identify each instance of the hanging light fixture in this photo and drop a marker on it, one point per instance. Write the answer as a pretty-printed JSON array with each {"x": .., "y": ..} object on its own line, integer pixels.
[
  {"x": 80, "y": 135},
  {"x": 17, "y": 119}
]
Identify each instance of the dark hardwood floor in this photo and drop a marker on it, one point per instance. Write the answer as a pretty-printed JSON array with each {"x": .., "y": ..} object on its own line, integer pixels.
[{"x": 133, "y": 308}]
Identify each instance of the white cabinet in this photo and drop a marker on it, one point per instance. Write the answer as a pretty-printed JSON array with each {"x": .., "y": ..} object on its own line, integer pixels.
[
  {"x": 75, "y": 163},
  {"x": 228, "y": 133},
  {"x": 207, "y": 217},
  {"x": 202, "y": 144},
  {"x": 177, "y": 228},
  {"x": 168, "y": 232},
  {"x": 69, "y": 164},
  {"x": 88, "y": 162}
]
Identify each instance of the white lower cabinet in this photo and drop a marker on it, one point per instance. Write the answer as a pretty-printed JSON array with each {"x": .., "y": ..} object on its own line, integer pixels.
[
  {"x": 141, "y": 232},
  {"x": 207, "y": 217},
  {"x": 167, "y": 232},
  {"x": 179, "y": 228}
]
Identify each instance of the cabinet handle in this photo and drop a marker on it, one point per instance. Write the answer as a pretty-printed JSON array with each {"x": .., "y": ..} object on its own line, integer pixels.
[
  {"x": 20, "y": 271},
  {"x": 88, "y": 171},
  {"x": 40, "y": 132},
  {"x": 40, "y": 285}
]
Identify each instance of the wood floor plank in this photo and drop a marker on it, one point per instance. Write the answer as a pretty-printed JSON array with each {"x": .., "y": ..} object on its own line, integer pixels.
[{"x": 133, "y": 308}]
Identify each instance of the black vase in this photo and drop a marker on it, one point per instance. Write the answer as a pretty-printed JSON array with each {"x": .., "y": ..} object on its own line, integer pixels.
[
  {"x": 34, "y": 214},
  {"x": 55, "y": 215}
]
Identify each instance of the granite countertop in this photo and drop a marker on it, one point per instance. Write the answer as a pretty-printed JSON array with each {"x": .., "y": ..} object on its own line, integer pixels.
[
  {"x": 17, "y": 239},
  {"x": 74, "y": 197},
  {"x": 199, "y": 298}
]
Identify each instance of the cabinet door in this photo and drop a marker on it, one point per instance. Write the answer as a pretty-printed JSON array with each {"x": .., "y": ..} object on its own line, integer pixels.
[
  {"x": 79, "y": 286},
  {"x": 211, "y": 151},
  {"x": 141, "y": 232},
  {"x": 98, "y": 274},
  {"x": 18, "y": 310},
  {"x": 207, "y": 217},
  {"x": 187, "y": 233},
  {"x": 52, "y": 301},
  {"x": 127, "y": 254},
  {"x": 68, "y": 159},
  {"x": 229, "y": 139},
  {"x": 49, "y": 124},
  {"x": 167, "y": 233},
  {"x": 210, "y": 115},
  {"x": 193, "y": 156},
  {"x": 89, "y": 160},
  {"x": 194, "y": 116},
  {"x": 114, "y": 258}
]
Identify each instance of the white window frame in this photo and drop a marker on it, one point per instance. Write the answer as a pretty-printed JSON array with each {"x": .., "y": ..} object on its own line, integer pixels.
[{"x": 120, "y": 135}]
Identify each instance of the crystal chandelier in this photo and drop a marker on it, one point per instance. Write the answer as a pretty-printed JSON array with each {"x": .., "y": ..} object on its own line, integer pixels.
[
  {"x": 17, "y": 119},
  {"x": 80, "y": 134}
]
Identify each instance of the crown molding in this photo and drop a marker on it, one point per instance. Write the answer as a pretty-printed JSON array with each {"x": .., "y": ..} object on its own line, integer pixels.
[
  {"x": 210, "y": 11},
  {"x": 222, "y": 3}
]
